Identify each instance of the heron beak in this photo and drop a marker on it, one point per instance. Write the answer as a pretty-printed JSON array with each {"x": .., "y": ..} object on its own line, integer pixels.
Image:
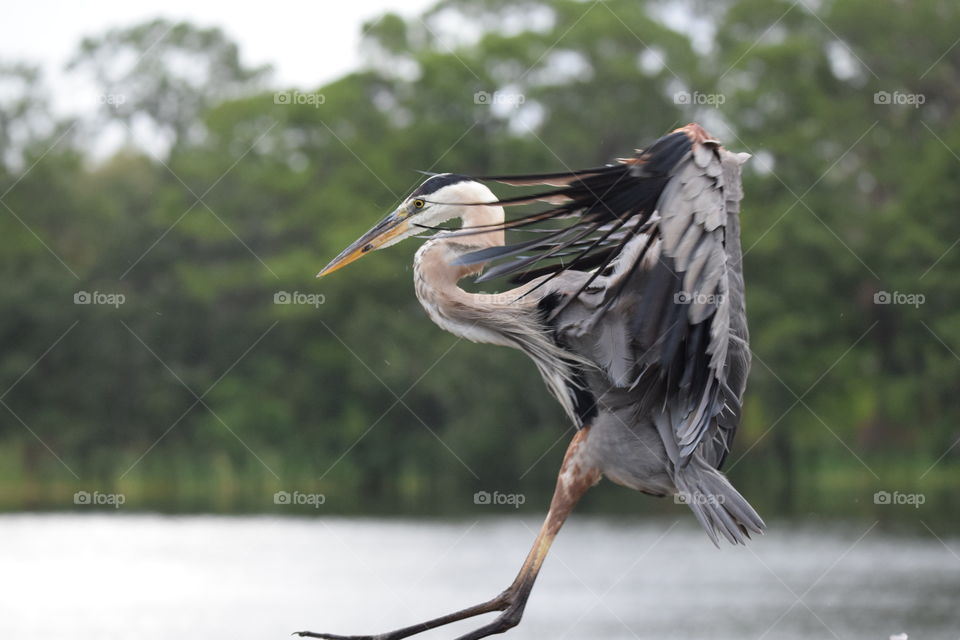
[{"x": 380, "y": 235}]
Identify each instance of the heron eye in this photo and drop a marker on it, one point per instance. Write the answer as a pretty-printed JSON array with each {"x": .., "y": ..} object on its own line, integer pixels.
[{"x": 419, "y": 204}]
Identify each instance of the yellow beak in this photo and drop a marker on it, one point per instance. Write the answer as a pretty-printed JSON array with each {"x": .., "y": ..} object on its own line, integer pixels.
[{"x": 382, "y": 233}]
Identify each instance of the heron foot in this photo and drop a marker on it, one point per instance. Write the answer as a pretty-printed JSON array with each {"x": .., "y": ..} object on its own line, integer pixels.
[
  {"x": 504, "y": 622},
  {"x": 333, "y": 636},
  {"x": 511, "y": 602}
]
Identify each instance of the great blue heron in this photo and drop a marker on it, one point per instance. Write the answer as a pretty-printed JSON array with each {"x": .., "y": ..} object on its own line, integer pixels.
[{"x": 633, "y": 312}]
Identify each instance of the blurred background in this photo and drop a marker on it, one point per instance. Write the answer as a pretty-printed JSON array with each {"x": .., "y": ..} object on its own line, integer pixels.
[{"x": 172, "y": 178}]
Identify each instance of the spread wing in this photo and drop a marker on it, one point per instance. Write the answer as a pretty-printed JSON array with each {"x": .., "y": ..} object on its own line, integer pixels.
[{"x": 645, "y": 280}]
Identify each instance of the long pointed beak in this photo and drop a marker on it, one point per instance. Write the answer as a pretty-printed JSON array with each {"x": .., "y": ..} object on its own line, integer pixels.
[{"x": 380, "y": 235}]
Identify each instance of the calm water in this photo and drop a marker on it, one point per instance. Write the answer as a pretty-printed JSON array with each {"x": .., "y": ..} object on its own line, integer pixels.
[{"x": 101, "y": 577}]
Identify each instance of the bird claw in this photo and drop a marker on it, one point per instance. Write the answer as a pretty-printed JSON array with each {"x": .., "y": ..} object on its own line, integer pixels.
[
  {"x": 329, "y": 636},
  {"x": 333, "y": 636}
]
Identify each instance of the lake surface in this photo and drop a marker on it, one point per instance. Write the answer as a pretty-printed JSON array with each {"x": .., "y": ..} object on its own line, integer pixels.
[{"x": 145, "y": 577}]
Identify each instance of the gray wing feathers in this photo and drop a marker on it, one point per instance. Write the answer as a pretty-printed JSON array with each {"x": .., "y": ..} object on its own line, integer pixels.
[
  {"x": 612, "y": 348},
  {"x": 630, "y": 324}
]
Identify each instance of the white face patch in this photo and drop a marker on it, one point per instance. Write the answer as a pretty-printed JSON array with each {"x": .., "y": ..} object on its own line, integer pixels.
[{"x": 445, "y": 204}]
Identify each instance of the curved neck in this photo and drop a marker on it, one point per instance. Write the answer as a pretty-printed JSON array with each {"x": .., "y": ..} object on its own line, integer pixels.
[
  {"x": 433, "y": 262},
  {"x": 436, "y": 277}
]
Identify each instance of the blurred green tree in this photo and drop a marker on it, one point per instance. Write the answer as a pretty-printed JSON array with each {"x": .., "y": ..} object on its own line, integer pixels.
[{"x": 361, "y": 396}]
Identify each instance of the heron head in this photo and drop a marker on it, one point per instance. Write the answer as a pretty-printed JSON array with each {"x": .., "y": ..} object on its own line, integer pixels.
[{"x": 439, "y": 198}]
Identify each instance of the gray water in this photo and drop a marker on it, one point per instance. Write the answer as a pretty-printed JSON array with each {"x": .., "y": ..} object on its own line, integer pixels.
[{"x": 100, "y": 577}]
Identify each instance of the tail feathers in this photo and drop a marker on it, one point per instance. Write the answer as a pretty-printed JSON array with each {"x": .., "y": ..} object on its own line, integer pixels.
[{"x": 716, "y": 504}]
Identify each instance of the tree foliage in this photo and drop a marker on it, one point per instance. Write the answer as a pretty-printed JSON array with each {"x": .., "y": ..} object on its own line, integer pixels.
[{"x": 201, "y": 392}]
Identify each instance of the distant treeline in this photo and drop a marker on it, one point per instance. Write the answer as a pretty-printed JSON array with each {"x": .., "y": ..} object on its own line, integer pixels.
[{"x": 164, "y": 337}]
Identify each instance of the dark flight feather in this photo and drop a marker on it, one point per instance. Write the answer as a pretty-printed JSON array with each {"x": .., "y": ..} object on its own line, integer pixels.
[{"x": 649, "y": 232}]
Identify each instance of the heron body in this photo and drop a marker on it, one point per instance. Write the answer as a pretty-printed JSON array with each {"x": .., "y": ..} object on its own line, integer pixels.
[{"x": 633, "y": 314}]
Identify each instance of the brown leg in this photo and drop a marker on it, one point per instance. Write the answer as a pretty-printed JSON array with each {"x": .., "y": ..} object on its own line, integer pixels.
[{"x": 572, "y": 483}]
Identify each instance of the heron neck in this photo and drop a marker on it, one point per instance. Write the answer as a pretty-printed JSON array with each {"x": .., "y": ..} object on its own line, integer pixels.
[
  {"x": 434, "y": 261},
  {"x": 436, "y": 278},
  {"x": 480, "y": 217}
]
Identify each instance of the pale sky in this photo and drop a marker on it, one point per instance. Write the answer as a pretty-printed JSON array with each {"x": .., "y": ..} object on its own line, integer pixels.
[{"x": 308, "y": 43}]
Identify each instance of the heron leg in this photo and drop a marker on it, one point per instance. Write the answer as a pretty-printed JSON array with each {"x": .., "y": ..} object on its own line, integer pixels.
[{"x": 574, "y": 480}]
